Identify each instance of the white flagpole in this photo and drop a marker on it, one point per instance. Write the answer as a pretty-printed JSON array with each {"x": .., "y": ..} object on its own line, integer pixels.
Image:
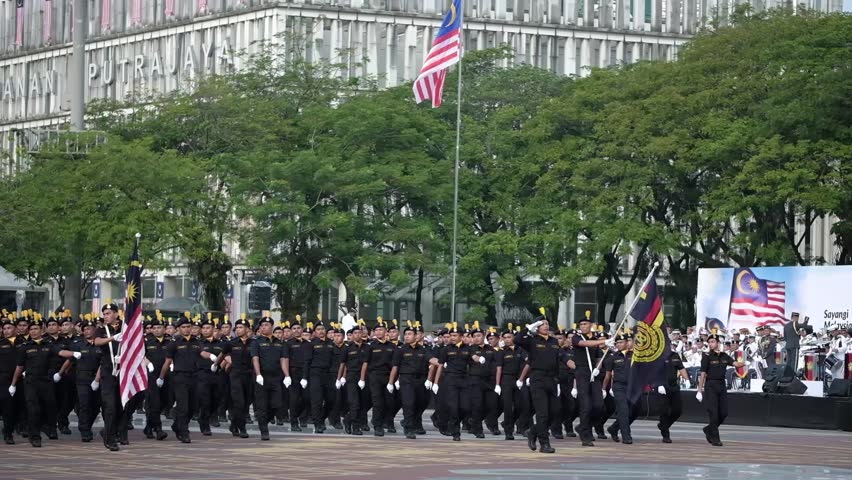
[{"x": 456, "y": 171}]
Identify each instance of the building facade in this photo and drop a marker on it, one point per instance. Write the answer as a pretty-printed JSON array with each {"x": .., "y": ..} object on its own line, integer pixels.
[{"x": 141, "y": 47}]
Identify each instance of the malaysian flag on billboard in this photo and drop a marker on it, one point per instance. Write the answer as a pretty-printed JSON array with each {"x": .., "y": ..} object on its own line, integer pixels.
[{"x": 755, "y": 301}]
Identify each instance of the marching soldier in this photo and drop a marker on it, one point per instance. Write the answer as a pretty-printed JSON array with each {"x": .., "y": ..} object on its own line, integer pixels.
[
  {"x": 480, "y": 384},
  {"x": 617, "y": 368},
  {"x": 35, "y": 358},
  {"x": 66, "y": 391},
  {"x": 543, "y": 350},
  {"x": 282, "y": 416},
  {"x": 295, "y": 352},
  {"x": 377, "y": 365},
  {"x": 411, "y": 370},
  {"x": 8, "y": 362},
  {"x": 156, "y": 344},
  {"x": 318, "y": 363},
  {"x": 349, "y": 376},
  {"x": 337, "y": 403},
  {"x": 108, "y": 339},
  {"x": 87, "y": 381},
  {"x": 509, "y": 361},
  {"x": 268, "y": 361},
  {"x": 209, "y": 381},
  {"x": 673, "y": 406},
  {"x": 587, "y": 351},
  {"x": 565, "y": 377},
  {"x": 240, "y": 375},
  {"x": 712, "y": 382},
  {"x": 182, "y": 358},
  {"x": 451, "y": 377}
]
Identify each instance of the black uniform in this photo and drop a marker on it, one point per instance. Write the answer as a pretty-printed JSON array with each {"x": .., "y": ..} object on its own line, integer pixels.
[
  {"x": 512, "y": 360},
  {"x": 618, "y": 363},
  {"x": 184, "y": 353},
  {"x": 116, "y": 419},
  {"x": 36, "y": 358},
  {"x": 456, "y": 359},
  {"x": 66, "y": 392},
  {"x": 8, "y": 362},
  {"x": 241, "y": 380},
  {"x": 318, "y": 361},
  {"x": 156, "y": 397},
  {"x": 357, "y": 399},
  {"x": 715, "y": 394},
  {"x": 208, "y": 384},
  {"x": 412, "y": 362},
  {"x": 88, "y": 401},
  {"x": 544, "y": 366},
  {"x": 296, "y": 350},
  {"x": 589, "y": 391},
  {"x": 379, "y": 357},
  {"x": 567, "y": 405},
  {"x": 480, "y": 384},
  {"x": 673, "y": 406},
  {"x": 267, "y": 397},
  {"x": 338, "y": 403}
]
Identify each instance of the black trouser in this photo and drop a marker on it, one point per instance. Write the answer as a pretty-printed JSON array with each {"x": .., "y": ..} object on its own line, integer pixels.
[
  {"x": 716, "y": 402},
  {"x": 66, "y": 398},
  {"x": 7, "y": 408},
  {"x": 267, "y": 400},
  {"x": 208, "y": 387},
  {"x": 543, "y": 393},
  {"x": 671, "y": 410},
  {"x": 338, "y": 403},
  {"x": 223, "y": 394},
  {"x": 242, "y": 393},
  {"x": 439, "y": 416},
  {"x": 382, "y": 400},
  {"x": 414, "y": 398},
  {"x": 321, "y": 386},
  {"x": 605, "y": 413},
  {"x": 590, "y": 402},
  {"x": 477, "y": 389},
  {"x": 183, "y": 384},
  {"x": 284, "y": 411},
  {"x": 622, "y": 410},
  {"x": 111, "y": 407},
  {"x": 493, "y": 405},
  {"x": 566, "y": 407},
  {"x": 510, "y": 398},
  {"x": 41, "y": 404},
  {"x": 88, "y": 403},
  {"x": 792, "y": 357},
  {"x": 357, "y": 400},
  {"x": 155, "y": 397},
  {"x": 524, "y": 409},
  {"x": 454, "y": 387},
  {"x": 298, "y": 395}
]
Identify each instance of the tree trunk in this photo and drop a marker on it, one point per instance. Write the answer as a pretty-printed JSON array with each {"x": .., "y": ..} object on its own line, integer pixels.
[{"x": 418, "y": 297}]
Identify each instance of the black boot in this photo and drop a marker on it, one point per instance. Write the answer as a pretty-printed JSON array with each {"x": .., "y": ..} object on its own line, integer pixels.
[
  {"x": 613, "y": 434},
  {"x": 148, "y": 432},
  {"x": 545, "y": 446},
  {"x": 160, "y": 434},
  {"x": 531, "y": 441},
  {"x": 264, "y": 434},
  {"x": 244, "y": 433},
  {"x": 9, "y": 439},
  {"x": 294, "y": 427}
]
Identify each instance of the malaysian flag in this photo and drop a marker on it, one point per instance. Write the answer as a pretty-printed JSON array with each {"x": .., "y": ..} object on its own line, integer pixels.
[
  {"x": 136, "y": 12},
  {"x": 106, "y": 14},
  {"x": 47, "y": 22},
  {"x": 169, "y": 9},
  {"x": 19, "y": 22},
  {"x": 755, "y": 301},
  {"x": 132, "y": 375},
  {"x": 445, "y": 51}
]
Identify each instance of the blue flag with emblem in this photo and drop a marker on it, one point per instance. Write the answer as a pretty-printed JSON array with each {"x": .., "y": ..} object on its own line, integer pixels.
[{"x": 651, "y": 343}]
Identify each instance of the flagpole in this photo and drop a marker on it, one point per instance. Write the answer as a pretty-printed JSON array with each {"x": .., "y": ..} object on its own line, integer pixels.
[{"x": 456, "y": 174}]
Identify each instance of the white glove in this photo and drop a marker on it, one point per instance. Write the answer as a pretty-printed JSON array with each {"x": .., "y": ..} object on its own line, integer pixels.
[
  {"x": 445, "y": 364},
  {"x": 77, "y": 355},
  {"x": 481, "y": 360},
  {"x": 24, "y": 374},
  {"x": 12, "y": 390},
  {"x": 213, "y": 358},
  {"x": 214, "y": 367},
  {"x": 95, "y": 385},
  {"x": 603, "y": 393},
  {"x": 574, "y": 392},
  {"x": 610, "y": 342},
  {"x": 497, "y": 389},
  {"x": 342, "y": 381},
  {"x": 362, "y": 384},
  {"x": 699, "y": 397},
  {"x": 595, "y": 373},
  {"x": 396, "y": 384},
  {"x": 661, "y": 390},
  {"x": 150, "y": 368},
  {"x": 303, "y": 383},
  {"x": 118, "y": 336},
  {"x": 558, "y": 391},
  {"x": 534, "y": 326},
  {"x": 56, "y": 378},
  {"x": 288, "y": 381},
  {"x": 337, "y": 384},
  {"x": 435, "y": 388},
  {"x": 428, "y": 385},
  {"x": 528, "y": 382},
  {"x": 160, "y": 383},
  {"x": 172, "y": 367},
  {"x": 259, "y": 380},
  {"x": 519, "y": 384},
  {"x": 389, "y": 387}
]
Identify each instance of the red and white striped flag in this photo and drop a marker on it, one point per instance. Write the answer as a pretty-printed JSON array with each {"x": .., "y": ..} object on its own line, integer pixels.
[
  {"x": 19, "y": 22},
  {"x": 47, "y": 22},
  {"x": 169, "y": 9},
  {"x": 756, "y": 301},
  {"x": 136, "y": 12},
  {"x": 133, "y": 378},
  {"x": 445, "y": 52},
  {"x": 106, "y": 14}
]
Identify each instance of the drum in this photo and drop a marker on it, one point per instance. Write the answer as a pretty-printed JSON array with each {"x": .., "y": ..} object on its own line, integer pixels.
[
  {"x": 814, "y": 366},
  {"x": 848, "y": 368},
  {"x": 831, "y": 361}
]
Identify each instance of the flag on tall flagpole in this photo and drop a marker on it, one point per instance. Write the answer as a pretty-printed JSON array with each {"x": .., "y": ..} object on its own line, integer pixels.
[
  {"x": 651, "y": 344},
  {"x": 445, "y": 52},
  {"x": 132, "y": 375}
]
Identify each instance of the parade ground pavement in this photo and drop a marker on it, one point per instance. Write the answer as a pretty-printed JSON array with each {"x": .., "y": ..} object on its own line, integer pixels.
[{"x": 754, "y": 453}]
